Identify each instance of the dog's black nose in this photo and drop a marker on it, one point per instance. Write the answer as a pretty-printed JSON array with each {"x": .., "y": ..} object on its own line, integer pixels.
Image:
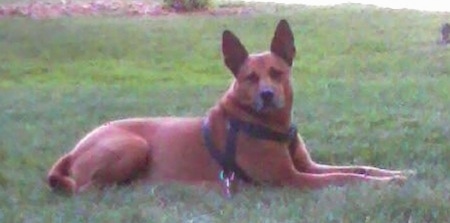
[{"x": 266, "y": 95}]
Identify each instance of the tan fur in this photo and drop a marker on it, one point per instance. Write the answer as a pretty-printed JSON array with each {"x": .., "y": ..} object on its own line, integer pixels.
[{"x": 171, "y": 149}]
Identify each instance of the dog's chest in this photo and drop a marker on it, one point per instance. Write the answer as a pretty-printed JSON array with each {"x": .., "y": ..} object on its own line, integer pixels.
[{"x": 263, "y": 160}]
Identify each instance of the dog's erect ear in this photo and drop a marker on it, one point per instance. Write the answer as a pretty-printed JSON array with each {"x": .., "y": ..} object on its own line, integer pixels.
[
  {"x": 234, "y": 52},
  {"x": 283, "y": 42}
]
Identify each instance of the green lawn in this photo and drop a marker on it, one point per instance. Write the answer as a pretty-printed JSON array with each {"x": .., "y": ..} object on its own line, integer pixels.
[{"x": 371, "y": 87}]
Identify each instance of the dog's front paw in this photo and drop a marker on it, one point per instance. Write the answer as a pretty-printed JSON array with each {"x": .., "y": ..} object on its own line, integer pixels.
[
  {"x": 408, "y": 173},
  {"x": 398, "y": 180}
]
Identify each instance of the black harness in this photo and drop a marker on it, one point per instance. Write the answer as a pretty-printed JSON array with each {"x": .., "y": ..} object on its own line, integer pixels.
[{"x": 227, "y": 159}]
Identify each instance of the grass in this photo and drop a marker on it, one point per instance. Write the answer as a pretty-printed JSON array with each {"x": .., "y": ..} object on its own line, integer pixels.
[{"x": 371, "y": 87}]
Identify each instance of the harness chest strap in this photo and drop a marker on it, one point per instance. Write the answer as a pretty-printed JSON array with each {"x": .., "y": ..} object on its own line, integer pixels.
[{"x": 227, "y": 159}]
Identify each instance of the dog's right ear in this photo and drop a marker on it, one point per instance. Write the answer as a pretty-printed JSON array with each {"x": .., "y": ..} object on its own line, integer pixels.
[{"x": 234, "y": 52}]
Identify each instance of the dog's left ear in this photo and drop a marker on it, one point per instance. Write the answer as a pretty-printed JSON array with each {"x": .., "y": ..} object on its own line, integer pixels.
[
  {"x": 234, "y": 52},
  {"x": 283, "y": 42}
]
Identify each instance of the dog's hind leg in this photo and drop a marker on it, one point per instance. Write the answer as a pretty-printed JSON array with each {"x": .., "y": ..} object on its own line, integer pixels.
[
  {"x": 59, "y": 178},
  {"x": 131, "y": 159},
  {"x": 118, "y": 158},
  {"x": 105, "y": 157}
]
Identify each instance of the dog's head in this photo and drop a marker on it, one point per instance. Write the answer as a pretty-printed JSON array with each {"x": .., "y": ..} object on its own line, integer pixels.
[{"x": 262, "y": 81}]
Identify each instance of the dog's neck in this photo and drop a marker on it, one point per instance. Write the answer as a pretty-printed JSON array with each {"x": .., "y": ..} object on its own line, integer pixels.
[{"x": 279, "y": 120}]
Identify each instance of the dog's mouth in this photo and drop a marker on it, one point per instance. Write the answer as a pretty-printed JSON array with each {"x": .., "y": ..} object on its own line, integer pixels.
[{"x": 262, "y": 105}]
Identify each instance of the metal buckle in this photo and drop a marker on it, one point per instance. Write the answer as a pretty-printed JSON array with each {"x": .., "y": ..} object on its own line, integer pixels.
[{"x": 227, "y": 179}]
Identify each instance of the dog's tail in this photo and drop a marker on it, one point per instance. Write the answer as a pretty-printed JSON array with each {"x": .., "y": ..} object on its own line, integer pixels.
[{"x": 58, "y": 177}]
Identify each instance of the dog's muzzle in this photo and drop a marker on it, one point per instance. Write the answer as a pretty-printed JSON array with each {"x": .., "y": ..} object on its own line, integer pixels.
[
  {"x": 267, "y": 95},
  {"x": 266, "y": 100}
]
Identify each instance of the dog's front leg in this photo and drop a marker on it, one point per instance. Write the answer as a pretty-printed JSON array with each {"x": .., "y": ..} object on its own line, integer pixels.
[
  {"x": 304, "y": 163},
  {"x": 319, "y": 181},
  {"x": 363, "y": 170}
]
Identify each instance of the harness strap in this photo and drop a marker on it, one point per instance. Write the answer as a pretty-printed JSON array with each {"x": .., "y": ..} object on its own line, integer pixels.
[
  {"x": 261, "y": 132},
  {"x": 227, "y": 159}
]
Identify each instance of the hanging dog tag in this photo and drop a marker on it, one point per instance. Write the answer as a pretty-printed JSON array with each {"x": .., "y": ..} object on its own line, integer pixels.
[{"x": 227, "y": 180}]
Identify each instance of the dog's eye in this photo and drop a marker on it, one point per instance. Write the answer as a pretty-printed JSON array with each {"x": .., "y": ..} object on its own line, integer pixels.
[
  {"x": 253, "y": 77},
  {"x": 275, "y": 74}
]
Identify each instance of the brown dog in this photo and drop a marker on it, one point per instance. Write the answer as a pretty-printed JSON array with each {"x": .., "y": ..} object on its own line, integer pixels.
[{"x": 247, "y": 135}]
